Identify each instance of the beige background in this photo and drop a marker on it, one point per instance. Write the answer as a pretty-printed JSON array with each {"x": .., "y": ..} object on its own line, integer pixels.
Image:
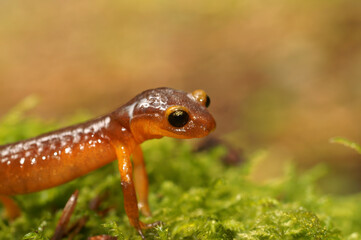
[{"x": 282, "y": 75}]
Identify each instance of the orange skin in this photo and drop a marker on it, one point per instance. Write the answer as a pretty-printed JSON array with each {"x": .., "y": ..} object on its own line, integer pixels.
[{"x": 58, "y": 157}]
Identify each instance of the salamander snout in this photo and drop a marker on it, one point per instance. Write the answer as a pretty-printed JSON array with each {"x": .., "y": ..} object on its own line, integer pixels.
[
  {"x": 210, "y": 126},
  {"x": 205, "y": 119}
]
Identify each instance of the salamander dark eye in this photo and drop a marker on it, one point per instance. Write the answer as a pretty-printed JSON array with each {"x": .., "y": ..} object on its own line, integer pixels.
[
  {"x": 208, "y": 101},
  {"x": 178, "y": 118},
  {"x": 201, "y": 96}
]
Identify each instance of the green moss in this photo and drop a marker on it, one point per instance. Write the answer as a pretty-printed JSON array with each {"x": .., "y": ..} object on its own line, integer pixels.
[
  {"x": 347, "y": 143},
  {"x": 193, "y": 194}
]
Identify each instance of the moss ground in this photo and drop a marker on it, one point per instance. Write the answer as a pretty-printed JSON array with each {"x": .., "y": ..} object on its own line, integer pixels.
[{"x": 194, "y": 194}]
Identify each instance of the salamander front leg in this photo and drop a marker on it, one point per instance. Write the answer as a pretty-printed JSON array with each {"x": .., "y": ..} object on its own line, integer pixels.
[
  {"x": 141, "y": 181},
  {"x": 130, "y": 198},
  {"x": 11, "y": 208}
]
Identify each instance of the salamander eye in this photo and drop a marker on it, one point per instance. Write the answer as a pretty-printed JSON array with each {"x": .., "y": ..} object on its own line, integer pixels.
[
  {"x": 177, "y": 116},
  {"x": 201, "y": 97},
  {"x": 208, "y": 101}
]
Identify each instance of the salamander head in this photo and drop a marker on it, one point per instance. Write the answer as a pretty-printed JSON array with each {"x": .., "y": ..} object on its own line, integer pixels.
[{"x": 168, "y": 112}]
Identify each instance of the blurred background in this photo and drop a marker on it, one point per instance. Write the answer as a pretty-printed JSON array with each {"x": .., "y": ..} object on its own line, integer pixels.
[{"x": 284, "y": 76}]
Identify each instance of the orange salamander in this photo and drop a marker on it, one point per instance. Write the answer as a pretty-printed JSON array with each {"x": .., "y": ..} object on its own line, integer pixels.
[{"x": 60, "y": 156}]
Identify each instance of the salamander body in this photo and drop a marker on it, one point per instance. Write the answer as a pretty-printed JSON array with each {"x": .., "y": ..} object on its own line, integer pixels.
[{"x": 60, "y": 156}]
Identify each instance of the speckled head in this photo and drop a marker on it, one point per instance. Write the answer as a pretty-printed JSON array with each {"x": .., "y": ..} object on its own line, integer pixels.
[{"x": 168, "y": 112}]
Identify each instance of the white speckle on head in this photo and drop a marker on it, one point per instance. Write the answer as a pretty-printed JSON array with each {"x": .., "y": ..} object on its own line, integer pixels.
[
  {"x": 190, "y": 95},
  {"x": 99, "y": 141},
  {"x": 8, "y": 162},
  {"x": 22, "y": 160},
  {"x": 144, "y": 103},
  {"x": 155, "y": 101},
  {"x": 55, "y": 153},
  {"x": 33, "y": 161},
  {"x": 43, "y": 157},
  {"x": 27, "y": 154},
  {"x": 130, "y": 110}
]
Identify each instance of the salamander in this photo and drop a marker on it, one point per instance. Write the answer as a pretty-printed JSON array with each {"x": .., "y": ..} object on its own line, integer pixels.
[{"x": 60, "y": 156}]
